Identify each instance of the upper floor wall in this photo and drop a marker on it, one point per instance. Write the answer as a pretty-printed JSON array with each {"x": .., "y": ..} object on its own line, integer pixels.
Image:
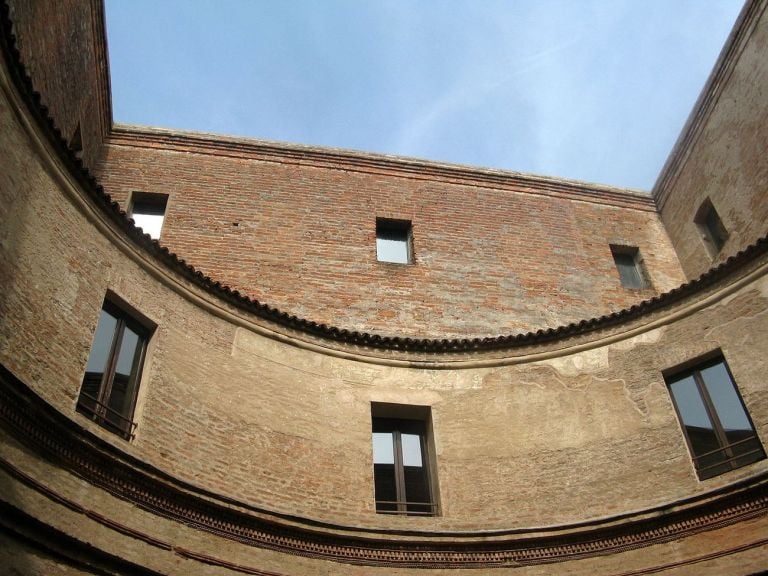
[
  {"x": 63, "y": 47},
  {"x": 492, "y": 252},
  {"x": 721, "y": 157}
]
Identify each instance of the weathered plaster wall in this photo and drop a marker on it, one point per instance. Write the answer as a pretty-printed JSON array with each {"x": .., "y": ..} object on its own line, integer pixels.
[
  {"x": 724, "y": 154},
  {"x": 729, "y": 550}
]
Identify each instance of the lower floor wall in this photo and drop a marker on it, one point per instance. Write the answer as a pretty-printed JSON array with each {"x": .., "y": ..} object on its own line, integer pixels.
[
  {"x": 31, "y": 547},
  {"x": 53, "y": 521}
]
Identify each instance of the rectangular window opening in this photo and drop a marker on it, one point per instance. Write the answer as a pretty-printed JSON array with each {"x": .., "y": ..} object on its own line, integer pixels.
[
  {"x": 710, "y": 225},
  {"x": 403, "y": 468},
  {"x": 715, "y": 422},
  {"x": 112, "y": 374},
  {"x": 148, "y": 212},
  {"x": 76, "y": 143},
  {"x": 632, "y": 273},
  {"x": 394, "y": 241}
]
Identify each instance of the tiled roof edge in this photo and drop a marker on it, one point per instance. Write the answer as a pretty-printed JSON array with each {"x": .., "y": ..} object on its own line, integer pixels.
[{"x": 351, "y": 337}]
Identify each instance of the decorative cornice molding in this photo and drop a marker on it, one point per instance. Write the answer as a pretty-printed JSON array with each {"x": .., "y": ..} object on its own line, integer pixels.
[
  {"x": 174, "y": 263},
  {"x": 58, "y": 439}
]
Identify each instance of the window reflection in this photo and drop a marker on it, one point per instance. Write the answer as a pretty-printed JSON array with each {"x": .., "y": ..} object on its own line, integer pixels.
[{"x": 110, "y": 383}]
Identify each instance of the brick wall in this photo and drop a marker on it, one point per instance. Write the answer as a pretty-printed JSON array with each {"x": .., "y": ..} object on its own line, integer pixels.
[
  {"x": 723, "y": 153},
  {"x": 564, "y": 432},
  {"x": 62, "y": 45},
  {"x": 295, "y": 228}
]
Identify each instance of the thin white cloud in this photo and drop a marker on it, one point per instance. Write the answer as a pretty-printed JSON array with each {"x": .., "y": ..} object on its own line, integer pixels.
[{"x": 469, "y": 90}]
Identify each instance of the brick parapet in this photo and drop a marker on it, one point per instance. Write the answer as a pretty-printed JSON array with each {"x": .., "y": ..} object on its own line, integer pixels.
[
  {"x": 379, "y": 164},
  {"x": 294, "y": 227}
]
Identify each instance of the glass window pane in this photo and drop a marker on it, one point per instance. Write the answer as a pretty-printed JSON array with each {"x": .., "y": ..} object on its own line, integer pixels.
[
  {"x": 383, "y": 448},
  {"x": 698, "y": 426},
  {"x": 126, "y": 376},
  {"x": 415, "y": 474},
  {"x": 388, "y": 250},
  {"x": 411, "y": 444},
  {"x": 129, "y": 348},
  {"x": 102, "y": 343},
  {"x": 416, "y": 488},
  {"x": 384, "y": 474},
  {"x": 628, "y": 272},
  {"x": 715, "y": 228},
  {"x": 732, "y": 415},
  {"x": 689, "y": 403},
  {"x": 727, "y": 402},
  {"x": 385, "y": 486}
]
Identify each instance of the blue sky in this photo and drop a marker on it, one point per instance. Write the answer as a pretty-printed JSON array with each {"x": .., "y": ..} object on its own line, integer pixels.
[{"x": 594, "y": 90}]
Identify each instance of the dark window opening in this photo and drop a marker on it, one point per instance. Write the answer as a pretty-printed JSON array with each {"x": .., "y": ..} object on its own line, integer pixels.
[
  {"x": 401, "y": 463},
  {"x": 715, "y": 423},
  {"x": 112, "y": 374},
  {"x": 76, "y": 143},
  {"x": 148, "y": 212},
  {"x": 630, "y": 267},
  {"x": 711, "y": 226},
  {"x": 394, "y": 241}
]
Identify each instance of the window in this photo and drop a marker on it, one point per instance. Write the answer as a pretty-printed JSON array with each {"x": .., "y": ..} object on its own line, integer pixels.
[
  {"x": 76, "y": 143},
  {"x": 716, "y": 425},
  {"x": 629, "y": 264},
  {"x": 111, "y": 381},
  {"x": 401, "y": 463},
  {"x": 148, "y": 212},
  {"x": 712, "y": 230},
  {"x": 394, "y": 241}
]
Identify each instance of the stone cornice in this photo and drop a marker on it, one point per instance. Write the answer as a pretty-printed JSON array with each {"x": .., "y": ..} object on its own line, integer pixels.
[
  {"x": 59, "y": 440},
  {"x": 708, "y": 99}
]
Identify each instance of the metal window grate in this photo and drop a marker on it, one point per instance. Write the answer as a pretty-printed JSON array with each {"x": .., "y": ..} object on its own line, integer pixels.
[{"x": 105, "y": 416}]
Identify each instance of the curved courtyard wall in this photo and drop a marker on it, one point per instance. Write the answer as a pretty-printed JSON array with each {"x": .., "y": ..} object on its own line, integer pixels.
[{"x": 560, "y": 455}]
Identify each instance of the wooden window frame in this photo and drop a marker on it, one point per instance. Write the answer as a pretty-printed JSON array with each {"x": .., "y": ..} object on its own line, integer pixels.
[
  {"x": 694, "y": 369},
  {"x": 97, "y": 408},
  {"x": 404, "y": 419},
  {"x": 619, "y": 251}
]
